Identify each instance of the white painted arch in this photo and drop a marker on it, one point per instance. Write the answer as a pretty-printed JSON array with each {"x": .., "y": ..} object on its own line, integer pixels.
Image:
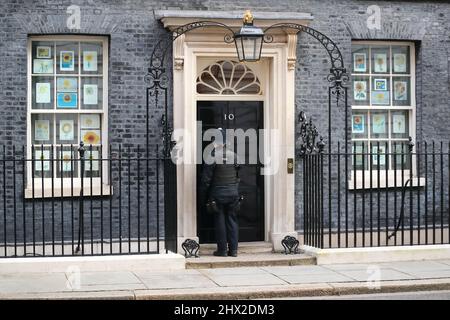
[{"x": 276, "y": 71}]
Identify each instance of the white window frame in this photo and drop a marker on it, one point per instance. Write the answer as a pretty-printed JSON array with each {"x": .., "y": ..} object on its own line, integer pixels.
[
  {"x": 416, "y": 181},
  {"x": 68, "y": 190}
]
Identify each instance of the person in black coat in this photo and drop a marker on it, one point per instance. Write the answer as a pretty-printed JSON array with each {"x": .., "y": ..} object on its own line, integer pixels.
[{"x": 220, "y": 187}]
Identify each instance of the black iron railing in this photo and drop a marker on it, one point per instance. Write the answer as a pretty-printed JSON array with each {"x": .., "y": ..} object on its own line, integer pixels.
[
  {"x": 84, "y": 200},
  {"x": 379, "y": 194}
]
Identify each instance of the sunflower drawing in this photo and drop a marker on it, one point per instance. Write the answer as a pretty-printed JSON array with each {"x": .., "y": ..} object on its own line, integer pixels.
[
  {"x": 360, "y": 90},
  {"x": 380, "y": 62},
  {"x": 360, "y": 60},
  {"x": 67, "y": 98},
  {"x": 91, "y": 137},
  {"x": 66, "y": 128},
  {"x": 67, "y": 58},
  {"x": 89, "y": 58}
]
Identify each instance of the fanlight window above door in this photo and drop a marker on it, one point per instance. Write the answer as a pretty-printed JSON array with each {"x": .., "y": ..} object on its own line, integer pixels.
[{"x": 228, "y": 78}]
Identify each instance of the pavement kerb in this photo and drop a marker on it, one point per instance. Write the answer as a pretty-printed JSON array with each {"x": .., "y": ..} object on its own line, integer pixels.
[
  {"x": 303, "y": 290},
  {"x": 392, "y": 286},
  {"x": 72, "y": 295},
  {"x": 232, "y": 293}
]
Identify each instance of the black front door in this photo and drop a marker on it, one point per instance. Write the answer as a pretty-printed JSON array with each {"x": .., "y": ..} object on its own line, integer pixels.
[{"x": 236, "y": 115}]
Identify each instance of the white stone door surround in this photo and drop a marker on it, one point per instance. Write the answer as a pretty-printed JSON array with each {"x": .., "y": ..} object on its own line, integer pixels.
[{"x": 278, "y": 82}]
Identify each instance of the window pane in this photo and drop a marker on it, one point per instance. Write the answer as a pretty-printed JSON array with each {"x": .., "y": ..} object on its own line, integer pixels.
[
  {"x": 380, "y": 91},
  {"x": 92, "y": 163},
  {"x": 67, "y": 129},
  {"x": 359, "y": 156},
  {"x": 361, "y": 90},
  {"x": 42, "y": 56},
  {"x": 41, "y": 162},
  {"x": 379, "y": 151},
  {"x": 67, "y": 164},
  {"x": 67, "y": 93},
  {"x": 402, "y": 157},
  {"x": 42, "y": 93},
  {"x": 400, "y": 59},
  {"x": 379, "y": 124},
  {"x": 66, "y": 100},
  {"x": 359, "y": 124},
  {"x": 91, "y": 93},
  {"x": 380, "y": 59},
  {"x": 91, "y": 58},
  {"x": 42, "y": 128},
  {"x": 400, "y": 124},
  {"x": 66, "y": 84},
  {"x": 90, "y": 132},
  {"x": 360, "y": 59},
  {"x": 402, "y": 93},
  {"x": 66, "y": 57}
]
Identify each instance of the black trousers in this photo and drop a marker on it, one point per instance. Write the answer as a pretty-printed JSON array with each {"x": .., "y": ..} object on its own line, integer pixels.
[{"x": 225, "y": 219}]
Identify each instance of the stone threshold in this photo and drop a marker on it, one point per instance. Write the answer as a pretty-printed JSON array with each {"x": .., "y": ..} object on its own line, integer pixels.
[{"x": 249, "y": 260}]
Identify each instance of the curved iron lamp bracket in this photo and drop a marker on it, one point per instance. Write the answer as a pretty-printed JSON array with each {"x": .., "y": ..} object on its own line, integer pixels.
[
  {"x": 160, "y": 52},
  {"x": 157, "y": 78},
  {"x": 338, "y": 74}
]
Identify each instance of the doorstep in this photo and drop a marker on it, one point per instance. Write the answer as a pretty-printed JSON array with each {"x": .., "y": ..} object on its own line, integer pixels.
[
  {"x": 244, "y": 247},
  {"x": 249, "y": 260}
]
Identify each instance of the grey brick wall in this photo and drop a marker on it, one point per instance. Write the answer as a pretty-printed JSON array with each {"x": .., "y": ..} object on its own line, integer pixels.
[{"x": 133, "y": 32}]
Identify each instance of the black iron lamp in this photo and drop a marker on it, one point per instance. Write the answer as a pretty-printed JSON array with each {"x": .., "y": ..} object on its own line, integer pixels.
[{"x": 249, "y": 40}]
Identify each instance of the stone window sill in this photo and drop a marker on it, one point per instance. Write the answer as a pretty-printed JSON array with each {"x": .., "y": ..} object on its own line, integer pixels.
[
  {"x": 391, "y": 182},
  {"x": 67, "y": 191}
]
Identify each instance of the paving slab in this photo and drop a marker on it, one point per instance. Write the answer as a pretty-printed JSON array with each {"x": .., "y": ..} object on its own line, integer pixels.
[
  {"x": 385, "y": 274},
  {"x": 447, "y": 262},
  {"x": 349, "y": 266},
  {"x": 111, "y": 287},
  {"x": 316, "y": 278},
  {"x": 406, "y": 266},
  {"x": 146, "y": 274},
  {"x": 35, "y": 283},
  {"x": 296, "y": 270},
  {"x": 237, "y": 280},
  {"x": 110, "y": 278},
  {"x": 30, "y": 275},
  {"x": 429, "y": 274},
  {"x": 174, "y": 281},
  {"x": 233, "y": 271}
]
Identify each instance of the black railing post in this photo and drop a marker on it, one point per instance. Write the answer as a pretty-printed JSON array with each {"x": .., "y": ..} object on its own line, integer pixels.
[
  {"x": 411, "y": 216},
  {"x": 81, "y": 152},
  {"x": 320, "y": 148}
]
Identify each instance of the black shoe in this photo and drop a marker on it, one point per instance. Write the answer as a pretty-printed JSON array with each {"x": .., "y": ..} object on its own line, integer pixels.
[
  {"x": 232, "y": 253},
  {"x": 220, "y": 254}
]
